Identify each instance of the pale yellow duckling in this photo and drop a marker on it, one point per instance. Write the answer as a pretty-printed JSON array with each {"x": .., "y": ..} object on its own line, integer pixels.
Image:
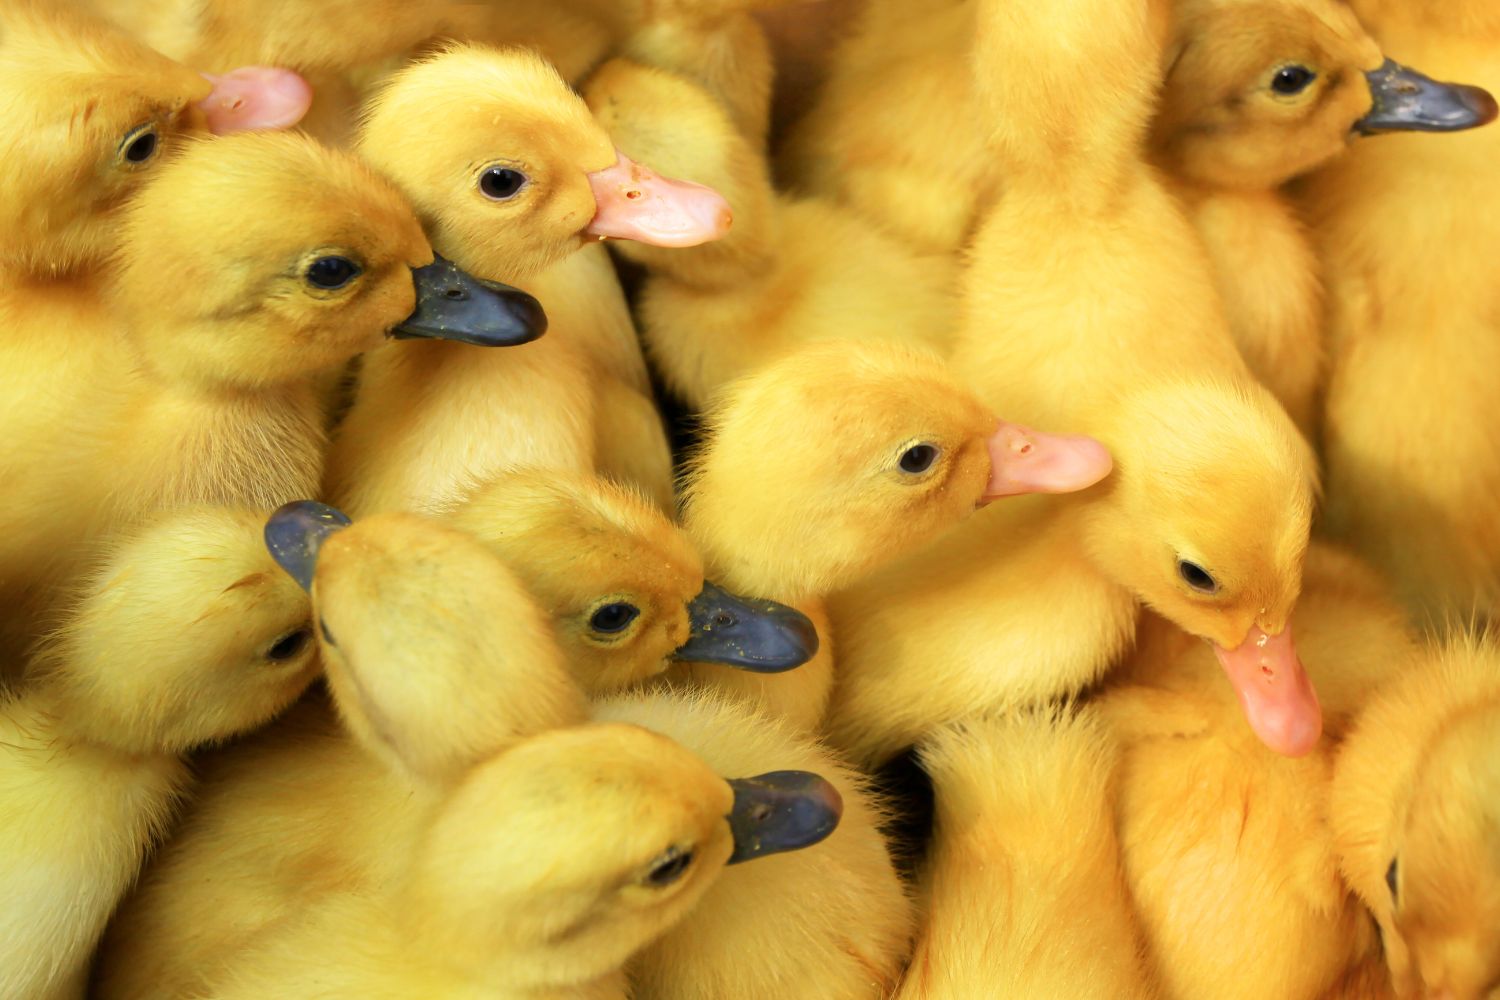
[
  {"x": 1206, "y": 516},
  {"x": 1416, "y": 817},
  {"x": 837, "y": 459},
  {"x": 515, "y": 180},
  {"x": 1413, "y": 467},
  {"x": 90, "y": 112},
  {"x": 253, "y": 266},
  {"x": 187, "y": 634},
  {"x": 1023, "y": 890},
  {"x": 792, "y": 270}
]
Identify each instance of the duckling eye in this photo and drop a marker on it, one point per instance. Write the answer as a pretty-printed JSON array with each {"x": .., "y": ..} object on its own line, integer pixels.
[
  {"x": 331, "y": 272},
  {"x": 140, "y": 145},
  {"x": 1390, "y": 879},
  {"x": 613, "y": 617},
  {"x": 918, "y": 458},
  {"x": 1292, "y": 79},
  {"x": 501, "y": 183},
  {"x": 289, "y": 645},
  {"x": 669, "y": 867},
  {"x": 1196, "y": 576}
]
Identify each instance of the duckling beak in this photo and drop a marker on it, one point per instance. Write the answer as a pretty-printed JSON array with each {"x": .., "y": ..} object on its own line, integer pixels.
[
  {"x": 255, "y": 97},
  {"x": 1026, "y": 461},
  {"x": 760, "y": 636},
  {"x": 295, "y": 533},
  {"x": 454, "y": 305},
  {"x": 635, "y": 203},
  {"x": 781, "y": 811},
  {"x": 1406, "y": 100},
  {"x": 1277, "y": 698}
]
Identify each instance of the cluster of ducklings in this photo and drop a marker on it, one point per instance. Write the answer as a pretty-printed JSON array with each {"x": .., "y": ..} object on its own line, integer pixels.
[{"x": 360, "y": 642}]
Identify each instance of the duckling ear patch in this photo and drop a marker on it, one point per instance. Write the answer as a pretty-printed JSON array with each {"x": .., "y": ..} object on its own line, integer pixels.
[{"x": 255, "y": 98}]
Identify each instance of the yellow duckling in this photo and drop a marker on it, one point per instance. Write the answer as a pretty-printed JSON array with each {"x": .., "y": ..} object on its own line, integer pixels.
[
  {"x": 253, "y": 265},
  {"x": 789, "y": 272},
  {"x": 1115, "y": 331},
  {"x": 187, "y": 634},
  {"x": 1226, "y": 844},
  {"x": 1412, "y": 471},
  {"x": 91, "y": 112},
  {"x": 516, "y": 180},
  {"x": 1414, "y": 814},
  {"x": 837, "y": 459},
  {"x": 1023, "y": 891}
]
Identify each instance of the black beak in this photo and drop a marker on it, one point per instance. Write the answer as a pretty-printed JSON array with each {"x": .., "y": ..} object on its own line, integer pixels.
[
  {"x": 781, "y": 811},
  {"x": 762, "y": 636},
  {"x": 454, "y": 305},
  {"x": 295, "y": 533},
  {"x": 1407, "y": 101}
]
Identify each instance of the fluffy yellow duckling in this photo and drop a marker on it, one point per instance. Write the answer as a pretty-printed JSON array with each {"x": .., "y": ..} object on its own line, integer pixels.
[
  {"x": 518, "y": 178},
  {"x": 836, "y": 459},
  {"x": 1115, "y": 332},
  {"x": 187, "y": 634},
  {"x": 253, "y": 265},
  {"x": 1024, "y": 895},
  {"x": 1226, "y": 844},
  {"x": 1412, "y": 475},
  {"x": 790, "y": 271},
  {"x": 90, "y": 113},
  {"x": 1414, "y": 813},
  {"x": 832, "y": 922}
]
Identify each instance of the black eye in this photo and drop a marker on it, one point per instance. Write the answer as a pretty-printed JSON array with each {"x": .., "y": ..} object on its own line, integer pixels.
[
  {"x": 1390, "y": 879},
  {"x": 141, "y": 148},
  {"x": 918, "y": 458},
  {"x": 1292, "y": 79},
  {"x": 289, "y": 645},
  {"x": 1196, "y": 576},
  {"x": 613, "y": 617},
  {"x": 331, "y": 272},
  {"x": 501, "y": 183},
  {"x": 669, "y": 867}
]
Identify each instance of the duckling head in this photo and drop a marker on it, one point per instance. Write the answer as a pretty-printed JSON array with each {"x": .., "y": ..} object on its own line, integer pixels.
[
  {"x": 512, "y": 173},
  {"x": 435, "y": 654},
  {"x": 1207, "y": 521},
  {"x": 844, "y": 455},
  {"x": 623, "y": 584},
  {"x": 258, "y": 259},
  {"x": 566, "y": 854},
  {"x": 1259, "y": 91},
  {"x": 187, "y": 634}
]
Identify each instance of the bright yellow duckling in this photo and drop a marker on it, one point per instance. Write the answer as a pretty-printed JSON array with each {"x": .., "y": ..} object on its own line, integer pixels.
[
  {"x": 188, "y": 634},
  {"x": 90, "y": 113},
  {"x": 1415, "y": 819},
  {"x": 1206, "y": 516},
  {"x": 511, "y": 187},
  {"x": 1413, "y": 470},
  {"x": 253, "y": 266},
  {"x": 835, "y": 460},
  {"x": 791, "y": 271}
]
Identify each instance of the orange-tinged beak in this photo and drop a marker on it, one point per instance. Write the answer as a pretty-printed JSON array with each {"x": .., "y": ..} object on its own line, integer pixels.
[
  {"x": 636, "y": 203},
  {"x": 1274, "y": 691},
  {"x": 1026, "y": 461},
  {"x": 255, "y": 97}
]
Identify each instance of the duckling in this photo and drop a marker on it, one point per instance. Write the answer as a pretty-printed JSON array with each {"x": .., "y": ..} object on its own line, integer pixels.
[
  {"x": 790, "y": 271},
  {"x": 1412, "y": 479},
  {"x": 1024, "y": 895},
  {"x": 874, "y": 448},
  {"x": 253, "y": 265},
  {"x": 1115, "y": 332},
  {"x": 1225, "y": 844},
  {"x": 187, "y": 634},
  {"x": 516, "y": 181},
  {"x": 91, "y": 114},
  {"x": 1415, "y": 822}
]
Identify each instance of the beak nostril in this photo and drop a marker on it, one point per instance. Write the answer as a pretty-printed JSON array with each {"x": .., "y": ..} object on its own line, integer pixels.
[
  {"x": 456, "y": 294},
  {"x": 633, "y": 194}
]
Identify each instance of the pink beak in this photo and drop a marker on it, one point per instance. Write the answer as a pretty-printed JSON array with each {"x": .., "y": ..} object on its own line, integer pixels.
[
  {"x": 635, "y": 203},
  {"x": 1274, "y": 691},
  {"x": 1026, "y": 461},
  {"x": 255, "y": 97}
]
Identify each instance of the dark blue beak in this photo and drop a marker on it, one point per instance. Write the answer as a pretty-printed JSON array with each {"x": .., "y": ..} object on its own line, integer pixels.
[{"x": 296, "y": 532}]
